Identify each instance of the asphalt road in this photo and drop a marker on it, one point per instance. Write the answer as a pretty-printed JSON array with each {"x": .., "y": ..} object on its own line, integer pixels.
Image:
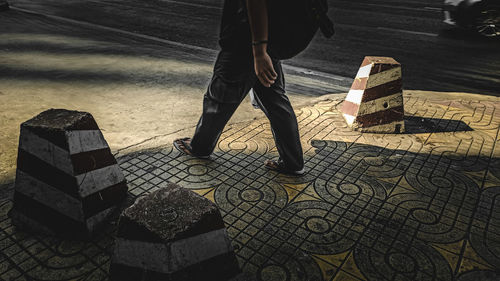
[{"x": 434, "y": 57}]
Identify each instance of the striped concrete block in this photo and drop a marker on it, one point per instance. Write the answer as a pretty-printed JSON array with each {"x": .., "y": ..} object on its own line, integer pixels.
[
  {"x": 172, "y": 234},
  {"x": 67, "y": 180},
  {"x": 375, "y": 100}
]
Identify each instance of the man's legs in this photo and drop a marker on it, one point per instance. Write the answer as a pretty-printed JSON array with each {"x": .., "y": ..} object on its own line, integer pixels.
[
  {"x": 231, "y": 82},
  {"x": 212, "y": 121},
  {"x": 279, "y": 111}
]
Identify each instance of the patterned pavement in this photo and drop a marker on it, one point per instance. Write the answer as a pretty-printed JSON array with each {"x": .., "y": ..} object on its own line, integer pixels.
[{"x": 424, "y": 205}]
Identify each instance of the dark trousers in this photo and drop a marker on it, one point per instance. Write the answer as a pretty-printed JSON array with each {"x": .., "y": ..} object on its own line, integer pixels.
[{"x": 233, "y": 77}]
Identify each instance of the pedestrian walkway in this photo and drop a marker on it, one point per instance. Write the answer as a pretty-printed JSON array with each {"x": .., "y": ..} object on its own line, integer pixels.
[{"x": 422, "y": 205}]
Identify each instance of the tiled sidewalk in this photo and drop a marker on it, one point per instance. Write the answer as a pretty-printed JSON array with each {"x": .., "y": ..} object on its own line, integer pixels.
[{"x": 423, "y": 205}]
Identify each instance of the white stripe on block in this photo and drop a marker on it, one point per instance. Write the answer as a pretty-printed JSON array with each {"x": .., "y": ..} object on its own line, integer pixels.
[
  {"x": 198, "y": 248},
  {"x": 364, "y": 71},
  {"x": 97, "y": 180},
  {"x": 349, "y": 118},
  {"x": 383, "y": 77},
  {"x": 355, "y": 96},
  {"x": 384, "y": 128},
  {"x": 21, "y": 219},
  {"x": 378, "y": 104},
  {"x": 86, "y": 140},
  {"x": 96, "y": 219},
  {"x": 172, "y": 257},
  {"x": 49, "y": 196},
  {"x": 46, "y": 151}
]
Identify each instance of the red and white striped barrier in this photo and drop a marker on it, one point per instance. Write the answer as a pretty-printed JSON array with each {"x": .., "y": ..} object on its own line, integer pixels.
[
  {"x": 375, "y": 100},
  {"x": 67, "y": 180},
  {"x": 172, "y": 234}
]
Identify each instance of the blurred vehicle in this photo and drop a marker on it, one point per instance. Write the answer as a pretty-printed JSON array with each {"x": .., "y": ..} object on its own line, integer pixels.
[{"x": 481, "y": 16}]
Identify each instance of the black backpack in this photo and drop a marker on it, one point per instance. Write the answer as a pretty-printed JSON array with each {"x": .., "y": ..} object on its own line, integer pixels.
[{"x": 293, "y": 24}]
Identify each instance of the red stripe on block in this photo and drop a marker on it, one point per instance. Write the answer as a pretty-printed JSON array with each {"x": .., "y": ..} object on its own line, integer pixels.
[
  {"x": 377, "y": 68},
  {"x": 381, "y": 117},
  {"x": 383, "y": 90},
  {"x": 366, "y": 61},
  {"x": 350, "y": 108},
  {"x": 359, "y": 83}
]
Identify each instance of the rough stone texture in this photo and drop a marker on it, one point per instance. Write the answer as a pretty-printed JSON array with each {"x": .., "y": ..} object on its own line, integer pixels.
[
  {"x": 171, "y": 213},
  {"x": 172, "y": 234},
  {"x": 67, "y": 181},
  {"x": 61, "y": 120}
]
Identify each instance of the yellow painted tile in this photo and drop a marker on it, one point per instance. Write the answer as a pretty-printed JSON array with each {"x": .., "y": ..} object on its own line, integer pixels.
[
  {"x": 343, "y": 276},
  {"x": 455, "y": 248},
  {"x": 399, "y": 190},
  {"x": 477, "y": 177},
  {"x": 422, "y": 137},
  {"x": 203, "y": 191},
  {"x": 310, "y": 191},
  {"x": 451, "y": 258},
  {"x": 292, "y": 192},
  {"x": 491, "y": 181},
  {"x": 327, "y": 269},
  {"x": 351, "y": 267},
  {"x": 210, "y": 195},
  {"x": 404, "y": 183},
  {"x": 305, "y": 197},
  {"x": 297, "y": 186},
  {"x": 471, "y": 254},
  {"x": 393, "y": 180},
  {"x": 469, "y": 264},
  {"x": 336, "y": 259}
]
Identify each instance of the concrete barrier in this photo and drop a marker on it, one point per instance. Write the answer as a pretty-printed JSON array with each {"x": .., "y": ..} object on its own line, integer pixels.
[
  {"x": 172, "y": 234},
  {"x": 67, "y": 180},
  {"x": 375, "y": 100}
]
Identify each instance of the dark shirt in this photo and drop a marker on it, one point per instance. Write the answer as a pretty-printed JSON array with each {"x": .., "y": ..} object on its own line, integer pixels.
[{"x": 235, "y": 33}]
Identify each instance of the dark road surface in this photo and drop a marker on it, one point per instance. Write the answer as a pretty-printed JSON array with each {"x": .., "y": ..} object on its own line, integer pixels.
[{"x": 434, "y": 56}]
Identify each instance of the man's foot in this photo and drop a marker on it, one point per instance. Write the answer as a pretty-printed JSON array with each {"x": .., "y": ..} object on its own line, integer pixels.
[
  {"x": 184, "y": 146},
  {"x": 279, "y": 167}
]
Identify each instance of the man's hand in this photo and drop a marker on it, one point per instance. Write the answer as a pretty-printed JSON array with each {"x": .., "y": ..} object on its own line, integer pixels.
[
  {"x": 264, "y": 68},
  {"x": 257, "y": 16}
]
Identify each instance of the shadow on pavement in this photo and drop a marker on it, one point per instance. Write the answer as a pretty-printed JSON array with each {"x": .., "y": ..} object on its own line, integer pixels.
[
  {"x": 361, "y": 211},
  {"x": 417, "y": 125}
]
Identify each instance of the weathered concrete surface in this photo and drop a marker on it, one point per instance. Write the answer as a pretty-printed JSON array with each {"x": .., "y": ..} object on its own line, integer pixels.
[
  {"x": 171, "y": 213},
  {"x": 172, "y": 234},
  {"x": 67, "y": 181}
]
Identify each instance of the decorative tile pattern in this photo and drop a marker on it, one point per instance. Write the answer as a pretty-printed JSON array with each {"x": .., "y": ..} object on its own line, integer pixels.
[{"x": 417, "y": 206}]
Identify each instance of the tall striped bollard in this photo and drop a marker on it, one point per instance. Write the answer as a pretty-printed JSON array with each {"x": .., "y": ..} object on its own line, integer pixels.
[{"x": 375, "y": 100}]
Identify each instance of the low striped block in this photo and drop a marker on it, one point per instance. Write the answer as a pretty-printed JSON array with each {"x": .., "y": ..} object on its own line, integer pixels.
[
  {"x": 172, "y": 234},
  {"x": 67, "y": 181},
  {"x": 375, "y": 101}
]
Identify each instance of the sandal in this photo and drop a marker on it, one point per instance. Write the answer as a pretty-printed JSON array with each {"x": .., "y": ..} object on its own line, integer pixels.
[
  {"x": 279, "y": 167},
  {"x": 184, "y": 147}
]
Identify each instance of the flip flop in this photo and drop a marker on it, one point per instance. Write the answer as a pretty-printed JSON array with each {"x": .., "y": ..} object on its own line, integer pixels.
[
  {"x": 278, "y": 166},
  {"x": 184, "y": 147}
]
